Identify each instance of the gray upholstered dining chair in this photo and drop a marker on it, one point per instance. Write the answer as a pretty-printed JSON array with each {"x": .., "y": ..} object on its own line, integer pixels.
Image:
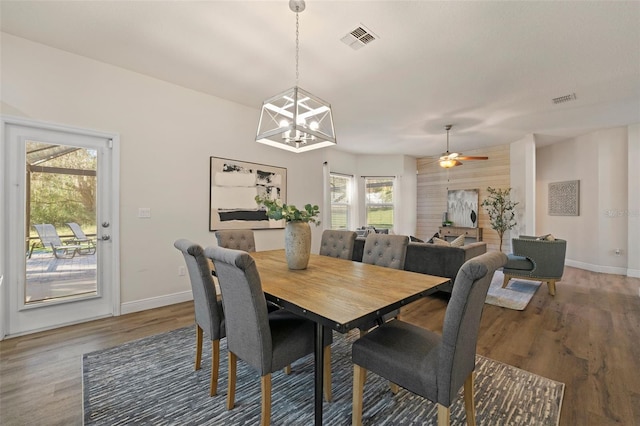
[
  {"x": 267, "y": 341},
  {"x": 536, "y": 258},
  {"x": 208, "y": 309},
  {"x": 241, "y": 239},
  {"x": 423, "y": 362},
  {"x": 385, "y": 250},
  {"x": 337, "y": 243},
  {"x": 236, "y": 239}
]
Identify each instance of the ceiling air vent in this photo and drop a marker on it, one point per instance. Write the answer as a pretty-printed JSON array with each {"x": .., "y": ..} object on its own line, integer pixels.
[
  {"x": 563, "y": 99},
  {"x": 359, "y": 37}
]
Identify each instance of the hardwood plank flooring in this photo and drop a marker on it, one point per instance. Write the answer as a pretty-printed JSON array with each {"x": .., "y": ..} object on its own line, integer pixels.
[{"x": 587, "y": 336}]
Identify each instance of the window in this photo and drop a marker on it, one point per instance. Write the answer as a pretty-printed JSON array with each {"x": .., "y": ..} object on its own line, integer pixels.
[
  {"x": 341, "y": 201},
  {"x": 379, "y": 201}
]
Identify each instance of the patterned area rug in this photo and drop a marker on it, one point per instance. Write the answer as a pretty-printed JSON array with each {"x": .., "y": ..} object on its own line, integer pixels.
[
  {"x": 152, "y": 381},
  {"x": 516, "y": 295}
]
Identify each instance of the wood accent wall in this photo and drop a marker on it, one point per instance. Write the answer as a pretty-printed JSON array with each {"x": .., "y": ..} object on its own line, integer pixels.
[{"x": 434, "y": 182}]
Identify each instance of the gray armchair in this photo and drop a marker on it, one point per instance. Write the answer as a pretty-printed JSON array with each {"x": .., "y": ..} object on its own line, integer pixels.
[
  {"x": 423, "y": 362},
  {"x": 538, "y": 260},
  {"x": 267, "y": 341},
  {"x": 208, "y": 309},
  {"x": 337, "y": 244}
]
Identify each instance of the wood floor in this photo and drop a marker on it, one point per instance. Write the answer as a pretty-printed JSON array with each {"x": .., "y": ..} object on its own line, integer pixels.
[{"x": 587, "y": 336}]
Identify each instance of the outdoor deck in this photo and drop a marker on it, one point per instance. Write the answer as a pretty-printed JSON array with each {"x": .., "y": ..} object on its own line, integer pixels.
[{"x": 48, "y": 277}]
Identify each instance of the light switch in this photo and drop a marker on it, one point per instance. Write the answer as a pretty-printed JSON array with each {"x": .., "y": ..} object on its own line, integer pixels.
[{"x": 144, "y": 212}]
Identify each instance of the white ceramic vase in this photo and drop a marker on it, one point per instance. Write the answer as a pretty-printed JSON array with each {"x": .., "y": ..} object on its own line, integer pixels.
[{"x": 297, "y": 244}]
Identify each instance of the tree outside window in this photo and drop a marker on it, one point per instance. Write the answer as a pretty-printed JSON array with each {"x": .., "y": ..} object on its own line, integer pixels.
[
  {"x": 379, "y": 202},
  {"x": 340, "y": 201}
]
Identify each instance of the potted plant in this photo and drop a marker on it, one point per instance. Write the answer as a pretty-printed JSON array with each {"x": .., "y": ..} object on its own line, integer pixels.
[
  {"x": 297, "y": 234},
  {"x": 501, "y": 210}
]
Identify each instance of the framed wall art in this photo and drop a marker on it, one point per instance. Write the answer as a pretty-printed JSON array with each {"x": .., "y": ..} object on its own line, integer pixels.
[
  {"x": 462, "y": 207},
  {"x": 564, "y": 198},
  {"x": 233, "y": 187}
]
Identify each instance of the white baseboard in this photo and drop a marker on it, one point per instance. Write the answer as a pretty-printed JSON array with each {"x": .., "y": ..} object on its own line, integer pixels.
[
  {"x": 155, "y": 302},
  {"x": 635, "y": 273},
  {"x": 597, "y": 268}
]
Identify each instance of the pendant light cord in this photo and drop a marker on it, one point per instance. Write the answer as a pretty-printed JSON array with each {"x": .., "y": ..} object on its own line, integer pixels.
[{"x": 297, "y": 44}]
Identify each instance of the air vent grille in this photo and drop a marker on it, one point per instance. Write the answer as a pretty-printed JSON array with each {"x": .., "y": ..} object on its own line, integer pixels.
[
  {"x": 565, "y": 98},
  {"x": 359, "y": 37}
]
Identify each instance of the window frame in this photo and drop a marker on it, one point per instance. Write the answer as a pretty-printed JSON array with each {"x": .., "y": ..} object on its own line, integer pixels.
[
  {"x": 349, "y": 204},
  {"x": 368, "y": 204}
]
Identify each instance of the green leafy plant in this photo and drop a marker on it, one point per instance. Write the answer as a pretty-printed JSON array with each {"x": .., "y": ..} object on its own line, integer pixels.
[
  {"x": 277, "y": 210},
  {"x": 501, "y": 210}
]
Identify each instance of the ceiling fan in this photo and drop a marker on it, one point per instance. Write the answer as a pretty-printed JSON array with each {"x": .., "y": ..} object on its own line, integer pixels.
[{"x": 452, "y": 159}]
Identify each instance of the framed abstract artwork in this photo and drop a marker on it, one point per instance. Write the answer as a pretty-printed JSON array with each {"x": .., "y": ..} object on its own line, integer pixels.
[
  {"x": 462, "y": 207},
  {"x": 232, "y": 190},
  {"x": 564, "y": 198}
]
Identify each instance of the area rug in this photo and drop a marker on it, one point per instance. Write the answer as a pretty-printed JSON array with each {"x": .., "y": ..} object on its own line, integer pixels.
[
  {"x": 516, "y": 295},
  {"x": 151, "y": 381}
]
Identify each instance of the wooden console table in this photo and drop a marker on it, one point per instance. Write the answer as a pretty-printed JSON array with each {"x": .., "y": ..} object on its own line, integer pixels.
[{"x": 454, "y": 231}]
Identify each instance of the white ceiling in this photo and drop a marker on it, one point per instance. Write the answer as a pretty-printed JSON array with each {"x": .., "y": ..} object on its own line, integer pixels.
[{"x": 489, "y": 68}]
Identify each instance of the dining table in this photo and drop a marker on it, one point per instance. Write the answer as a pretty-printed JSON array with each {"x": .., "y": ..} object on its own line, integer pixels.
[{"x": 338, "y": 294}]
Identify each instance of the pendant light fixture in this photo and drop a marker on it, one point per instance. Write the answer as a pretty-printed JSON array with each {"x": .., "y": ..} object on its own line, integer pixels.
[{"x": 296, "y": 120}]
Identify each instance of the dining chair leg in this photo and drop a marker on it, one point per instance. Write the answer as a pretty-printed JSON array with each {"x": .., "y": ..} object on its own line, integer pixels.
[
  {"x": 198, "y": 346},
  {"x": 469, "y": 400},
  {"x": 215, "y": 366},
  {"x": 443, "y": 415},
  {"x": 231, "y": 385},
  {"x": 287, "y": 369},
  {"x": 393, "y": 388},
  {"x": 328, "y": 394},
  {"x": 265, "y": 410},
  {"x": 552, "y": 287},
  {"x": 359, "y": 377}
]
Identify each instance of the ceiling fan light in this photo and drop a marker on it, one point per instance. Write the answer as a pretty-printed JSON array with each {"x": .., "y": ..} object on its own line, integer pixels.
[{"x": 449, "y": 163}]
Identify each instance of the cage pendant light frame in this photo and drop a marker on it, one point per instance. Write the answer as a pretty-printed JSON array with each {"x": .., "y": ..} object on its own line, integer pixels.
[{"x": 296, "y": 120}]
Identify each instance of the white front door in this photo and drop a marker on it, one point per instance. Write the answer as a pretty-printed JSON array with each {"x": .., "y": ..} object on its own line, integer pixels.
[{"x": 60, "y": 226}]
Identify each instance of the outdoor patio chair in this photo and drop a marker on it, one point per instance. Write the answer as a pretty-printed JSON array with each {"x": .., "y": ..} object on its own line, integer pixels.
[
  {"x": 50, "y": 238},
  {"x": 88, "y": 246}
]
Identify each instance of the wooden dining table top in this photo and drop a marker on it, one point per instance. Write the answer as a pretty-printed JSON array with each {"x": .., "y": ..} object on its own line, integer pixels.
[{"x": 341, "y": 294}]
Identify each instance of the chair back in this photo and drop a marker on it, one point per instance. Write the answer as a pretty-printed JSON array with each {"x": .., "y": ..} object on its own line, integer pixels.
[
  {"x": 77, "y": 231},
  {"x": 385, "y": 250},
  {"x": 236, "y": 239},
  {"x": 245, "y": 307},
  {"x": 208, "y": 312},
  {"x": 337, "y": 243},
  {"x": 48, "y": 235},
  {"x": 462, "y": 321},
  {"x": 547, "y": 256}
]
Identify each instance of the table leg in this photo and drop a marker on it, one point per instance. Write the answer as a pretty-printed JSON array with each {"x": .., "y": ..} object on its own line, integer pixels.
[{"x": 319, "y": 367}]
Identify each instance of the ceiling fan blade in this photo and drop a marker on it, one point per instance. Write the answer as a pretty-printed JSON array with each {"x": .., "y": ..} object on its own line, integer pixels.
[{"x": 464, "y": 157}]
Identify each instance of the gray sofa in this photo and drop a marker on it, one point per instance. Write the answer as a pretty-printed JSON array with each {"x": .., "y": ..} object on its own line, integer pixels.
[{"x": 432, "y": 259}]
